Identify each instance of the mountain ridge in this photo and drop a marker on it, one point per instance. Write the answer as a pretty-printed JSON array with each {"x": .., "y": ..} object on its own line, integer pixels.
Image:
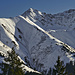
[{"x": 40, "y": 37}]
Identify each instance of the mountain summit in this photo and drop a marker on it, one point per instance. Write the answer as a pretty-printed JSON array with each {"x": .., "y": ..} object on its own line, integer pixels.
[
  {"x": 31, "y": 12},
  {"x": 39, "y": 37}
]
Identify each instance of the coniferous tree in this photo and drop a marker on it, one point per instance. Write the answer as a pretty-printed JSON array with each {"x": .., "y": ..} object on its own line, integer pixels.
[
  {"x": 12, "y": 65},
  {"x": 60, "y": 69},
  {"x": 49, "y": 72}
]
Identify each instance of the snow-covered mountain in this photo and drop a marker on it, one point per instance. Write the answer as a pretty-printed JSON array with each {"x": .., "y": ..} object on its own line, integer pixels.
[{"x": 39, "y": 37}]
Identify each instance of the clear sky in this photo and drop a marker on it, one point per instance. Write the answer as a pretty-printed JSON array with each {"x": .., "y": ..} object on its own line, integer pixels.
[{"x": 11, "y": 8}]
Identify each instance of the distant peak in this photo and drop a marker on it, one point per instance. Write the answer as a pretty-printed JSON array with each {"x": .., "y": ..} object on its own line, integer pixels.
[
  {"x": 70, "y": 10},
  {"x": 28, "y": 12},
  {"x": 31, "y": 10}
]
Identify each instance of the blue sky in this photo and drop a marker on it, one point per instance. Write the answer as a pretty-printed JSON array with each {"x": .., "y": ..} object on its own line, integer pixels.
[{"x": 11, "y": 8}]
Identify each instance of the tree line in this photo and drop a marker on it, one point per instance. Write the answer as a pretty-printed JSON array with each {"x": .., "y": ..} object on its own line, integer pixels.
[{"x": 12, "y": 65}]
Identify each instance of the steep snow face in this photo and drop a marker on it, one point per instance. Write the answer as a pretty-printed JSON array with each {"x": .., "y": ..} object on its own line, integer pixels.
[
  {"x": 63, "y": 20},
  {"x": 62, "y": 24},
  {"x": 39, "y": 36}
]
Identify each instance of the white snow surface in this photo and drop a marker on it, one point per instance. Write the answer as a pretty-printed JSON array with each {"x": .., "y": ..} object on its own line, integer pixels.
[{"x": 39, "y": 37}]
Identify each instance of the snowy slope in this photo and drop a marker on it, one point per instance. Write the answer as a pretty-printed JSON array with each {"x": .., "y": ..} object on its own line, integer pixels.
[{"x": 40, "y": 37}]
